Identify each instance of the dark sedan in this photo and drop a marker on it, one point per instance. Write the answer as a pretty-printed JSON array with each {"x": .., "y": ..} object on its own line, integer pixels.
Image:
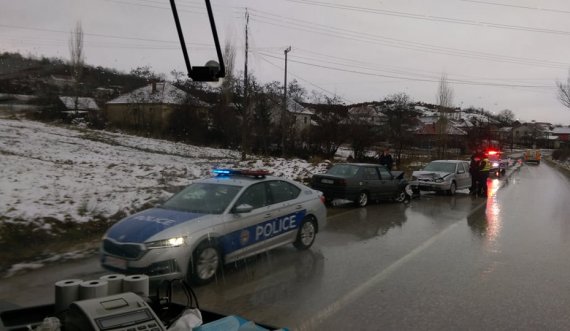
[{"x": 361, "y": 182}]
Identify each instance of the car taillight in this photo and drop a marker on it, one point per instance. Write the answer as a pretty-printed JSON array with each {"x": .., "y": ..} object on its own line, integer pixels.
[
  {"x": 342, "y": 182},
  {"x": 323, "y": 199}
]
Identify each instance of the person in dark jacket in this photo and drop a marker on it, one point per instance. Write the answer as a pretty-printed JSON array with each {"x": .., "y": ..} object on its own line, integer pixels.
[
  {"x": 484, "y": 168},
  {"x": 474, "y": 170},
  {"x": 386, "y": 159}
]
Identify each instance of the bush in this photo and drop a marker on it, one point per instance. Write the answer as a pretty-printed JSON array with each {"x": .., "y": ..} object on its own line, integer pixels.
[{"x": 561, "y": 154}]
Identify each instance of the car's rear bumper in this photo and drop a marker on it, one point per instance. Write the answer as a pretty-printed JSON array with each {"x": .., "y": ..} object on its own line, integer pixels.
[{"x": 332, "y": 193}]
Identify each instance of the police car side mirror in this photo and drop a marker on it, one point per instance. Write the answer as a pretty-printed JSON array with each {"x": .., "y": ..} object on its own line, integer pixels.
[{"x": 243, "y": 208}]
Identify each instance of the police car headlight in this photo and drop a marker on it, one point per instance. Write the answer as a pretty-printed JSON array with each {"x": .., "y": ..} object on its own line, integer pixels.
[
  {"x": 165, "y": 243},
  {"x": 495, "y": 164},
  {"x": 439, "y": 180}
]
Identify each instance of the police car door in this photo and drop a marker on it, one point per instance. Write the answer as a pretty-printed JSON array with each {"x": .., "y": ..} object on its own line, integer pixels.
[
  {"x": 243, "y": 238},
  {"x": 288, "y": 210}
]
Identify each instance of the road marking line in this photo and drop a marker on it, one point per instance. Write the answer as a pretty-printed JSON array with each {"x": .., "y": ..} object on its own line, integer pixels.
[{"x": 346, "y": 299}]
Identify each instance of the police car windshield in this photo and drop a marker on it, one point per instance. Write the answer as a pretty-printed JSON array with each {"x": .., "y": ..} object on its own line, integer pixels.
[
  {"x": 205, "y": 198},
  {"x": 343, "y": 170},
  {"x": 440, "y": 167}
]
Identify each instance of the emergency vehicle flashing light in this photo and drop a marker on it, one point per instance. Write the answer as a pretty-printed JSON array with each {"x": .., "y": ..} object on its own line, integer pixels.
[
  {"x": 492, "y": 152},
  {"x": 256, "y": 173}
]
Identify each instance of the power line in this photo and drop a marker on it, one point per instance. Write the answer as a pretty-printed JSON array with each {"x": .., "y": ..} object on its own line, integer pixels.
[
  {"x": 304, "y": 80},
  {"x": 519, "y": 6},
  {"x": 350, "y": 61},
  {"x": 416, "y": 48},
  {"x": 118, "y": 45},
  {"x": 454, "y": 81},
  {"x": 158, "y": 5},
  {"x": 268, "y": 18},
  {"x": 359, "y": 66},
  {"x": 442, "y": 19},
  {"x": 86, "y": 33}
]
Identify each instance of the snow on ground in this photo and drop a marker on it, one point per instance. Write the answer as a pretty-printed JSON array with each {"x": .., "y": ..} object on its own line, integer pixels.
[{"x": 67, "y": 174}]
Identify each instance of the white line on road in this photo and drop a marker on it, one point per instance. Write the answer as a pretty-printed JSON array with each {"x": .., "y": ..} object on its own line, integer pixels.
[{"x": 349, "y": 297}]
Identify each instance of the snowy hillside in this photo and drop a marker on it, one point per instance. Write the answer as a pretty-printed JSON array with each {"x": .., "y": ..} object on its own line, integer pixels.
[{"x": 74, "y": 175}]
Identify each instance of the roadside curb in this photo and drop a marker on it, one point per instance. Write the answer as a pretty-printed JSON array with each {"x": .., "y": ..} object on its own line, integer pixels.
[{"x": 559, "y": 167}]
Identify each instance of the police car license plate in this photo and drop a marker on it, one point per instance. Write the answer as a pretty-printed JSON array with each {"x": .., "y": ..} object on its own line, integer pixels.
[
  {"x": 327, "y": 181},
  {"x": 115, "y": 262}
]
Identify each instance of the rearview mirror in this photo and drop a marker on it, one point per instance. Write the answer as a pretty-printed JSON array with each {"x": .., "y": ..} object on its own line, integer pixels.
[{"x": 243, "y": 208}]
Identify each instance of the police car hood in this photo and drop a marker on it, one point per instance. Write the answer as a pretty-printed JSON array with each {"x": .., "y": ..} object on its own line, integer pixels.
[
  {"x": 139, "y": 227},
  {"x": 430, "y": 174}
]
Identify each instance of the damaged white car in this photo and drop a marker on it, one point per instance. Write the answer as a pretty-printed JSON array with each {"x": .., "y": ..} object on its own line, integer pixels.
[{"x": 442, "y": 176}]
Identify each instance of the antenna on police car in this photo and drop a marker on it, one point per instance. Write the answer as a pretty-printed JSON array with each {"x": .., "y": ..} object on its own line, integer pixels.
[{"x": 213, "y": 70}]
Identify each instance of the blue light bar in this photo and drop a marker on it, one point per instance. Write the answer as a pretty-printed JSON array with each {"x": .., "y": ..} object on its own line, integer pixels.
[{"x": 222, "y": 171}]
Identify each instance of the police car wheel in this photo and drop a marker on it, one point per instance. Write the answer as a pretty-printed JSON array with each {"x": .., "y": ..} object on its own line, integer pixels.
[
  {"x": 362, "y": 200},
  {"x": 205, "y": 263},
  {"x": 306, "y": 234}
]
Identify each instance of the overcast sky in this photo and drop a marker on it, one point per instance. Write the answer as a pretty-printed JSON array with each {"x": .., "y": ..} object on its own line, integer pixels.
[{"x": 497, "y": 54}]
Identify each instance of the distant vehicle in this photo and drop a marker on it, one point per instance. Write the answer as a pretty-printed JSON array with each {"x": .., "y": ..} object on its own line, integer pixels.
[
  {"x": 361, "y": 183},
  {"x": 236, "y": 214},
  {"x": 532, "y": 156},
  {"x": 442, "y": 176},
  {"x": 499, "y": 165}
]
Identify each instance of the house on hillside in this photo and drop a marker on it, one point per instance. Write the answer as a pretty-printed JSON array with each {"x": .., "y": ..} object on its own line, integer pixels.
[
  {"x": 17, "y": 103},
  {"x": 78, "y": 105},
  {"x": 530, "y": 133},
  {"x": 61, "y": 81},
  {"x": 428, "y": 135},
  {"x": 367, "y": 114},
  {"x": 299, "y": 116},
  {"x": 563, "y": 134},
  {"x": 151, "y": 107}
]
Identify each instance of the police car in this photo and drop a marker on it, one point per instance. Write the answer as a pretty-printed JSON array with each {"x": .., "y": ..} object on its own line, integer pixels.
[
  {"x": 499, "y": 165},
  {"x": 214, "y": 221}
]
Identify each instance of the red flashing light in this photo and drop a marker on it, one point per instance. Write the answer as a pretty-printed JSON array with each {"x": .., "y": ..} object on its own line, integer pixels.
[{"x": 492, "y": 152}]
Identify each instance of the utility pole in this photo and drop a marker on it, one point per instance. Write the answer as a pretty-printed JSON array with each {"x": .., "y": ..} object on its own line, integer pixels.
[
  {"x": 245, "y": 114},
  {"x": 284, "y": 111}
]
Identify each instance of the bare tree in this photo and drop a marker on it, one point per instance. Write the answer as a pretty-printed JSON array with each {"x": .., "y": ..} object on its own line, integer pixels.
[
  {"x": 229, "y": 61},
  {"x": 401, "y": 119},
  {"x": 506, "y": 117},
  {"x": 77, "y": 60},
  {"x": 330, "y": 132},
  {"x": 564, "y": 92},
  {"x": 444, "y": 100},
  {"x": 224, "y": 114}
]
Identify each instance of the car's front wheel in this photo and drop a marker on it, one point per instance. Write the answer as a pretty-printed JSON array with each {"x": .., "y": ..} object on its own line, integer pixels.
[
  {"x": 362, "y": 200},
  {"x": 206, "y": 260},
  {"x": 401, "y": 196},
  {"x": 306, "y": 234},
  {"x": 452, "y": 188}
]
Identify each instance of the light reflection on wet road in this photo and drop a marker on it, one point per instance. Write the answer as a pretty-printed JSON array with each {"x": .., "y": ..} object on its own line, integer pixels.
[{"x": 441, "y": 262}]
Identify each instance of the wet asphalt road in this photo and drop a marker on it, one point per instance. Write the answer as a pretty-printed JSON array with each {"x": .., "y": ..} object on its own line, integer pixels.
[{"x": 440, "y": 262}]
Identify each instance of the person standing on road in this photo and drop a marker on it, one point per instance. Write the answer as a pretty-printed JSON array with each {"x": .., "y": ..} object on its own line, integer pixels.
[
  {"x": 386, "y": 160},
  {"x": 484, "y": 168},
  {"x": 474, "y": 170}
]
